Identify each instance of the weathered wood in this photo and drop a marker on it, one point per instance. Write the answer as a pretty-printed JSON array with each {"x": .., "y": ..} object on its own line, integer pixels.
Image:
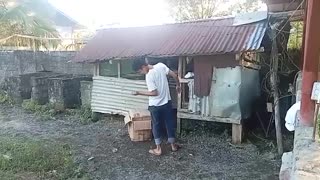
[
  {"x": 315, "y": 120},
  {"x": 184, "y": 115},
  {"x": 119, "y": 69},
  {"x": 292, "y": 15},
  {"x": 274, "y": 86},
  {"x": 237, "y": 133},
  {"x": 183, "y": 88},
  {"x": 96, "y": 69},
  {"x": 179, "y": 96}
]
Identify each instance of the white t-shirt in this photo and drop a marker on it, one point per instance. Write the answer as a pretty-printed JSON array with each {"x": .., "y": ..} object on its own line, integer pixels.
[{"x": 156, "y": 79}]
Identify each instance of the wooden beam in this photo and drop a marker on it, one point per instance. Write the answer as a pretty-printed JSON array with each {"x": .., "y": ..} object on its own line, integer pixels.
[
  {"x": 184, "y": 115},
  {"x": 274, "y": 86},
  {"x": 237, "y": 133},
  {"x": 292, "y": 15},
  {"x": 179, "y": 95},
  {"x": 183, "y": 88}
]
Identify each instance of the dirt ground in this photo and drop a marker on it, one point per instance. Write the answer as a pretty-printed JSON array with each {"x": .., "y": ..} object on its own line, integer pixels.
[{"x": 104, "y": 150}]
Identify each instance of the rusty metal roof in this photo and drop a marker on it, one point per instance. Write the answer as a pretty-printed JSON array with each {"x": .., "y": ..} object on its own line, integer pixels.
[{"x": 204, "y": 37}]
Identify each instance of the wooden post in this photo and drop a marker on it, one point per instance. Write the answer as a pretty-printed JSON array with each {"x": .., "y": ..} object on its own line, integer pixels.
[
  {"x": 179, "y": 96},
  {"x": 183, "y": 88},
  {"x": 96, "y": 69},
  {"x": 119, "y": 69},
  {"x": 315, "y": 121},
  {"x": 237, "y": 133},
  {"x": 310, "y": 58},
  {"x": 275, "y": 91}
]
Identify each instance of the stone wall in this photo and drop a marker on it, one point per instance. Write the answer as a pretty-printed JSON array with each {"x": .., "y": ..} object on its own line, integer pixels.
[
  {"x": 20, "y": 87},
  {"x": 40, "y": 87},
  {"x": 14, "y": 63},
  {"x": 85, "y": 90},
  {"x": 65, "y": 92}
]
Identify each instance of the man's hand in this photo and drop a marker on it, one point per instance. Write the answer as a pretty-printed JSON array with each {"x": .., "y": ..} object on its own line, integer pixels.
[
  {"x": 135, "y": 93},
  {"x": 175, "y": 77}
]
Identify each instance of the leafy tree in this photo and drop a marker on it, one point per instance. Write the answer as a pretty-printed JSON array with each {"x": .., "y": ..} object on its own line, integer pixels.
[
  {"x": 245, "y": 7},
  {"x": 21, "y": 20},
  {"x": 80, "y": 40},
  {"x": 295, "y": 38},
  {"x": 183, "y": 10}
]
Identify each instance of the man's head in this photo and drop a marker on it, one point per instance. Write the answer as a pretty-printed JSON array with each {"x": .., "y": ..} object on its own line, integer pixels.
[{"x": 140, "y": 65}]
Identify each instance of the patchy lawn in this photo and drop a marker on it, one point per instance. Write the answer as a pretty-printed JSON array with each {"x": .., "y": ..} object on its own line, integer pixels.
[
  {"x": 43, "y": 159},
  {"x": 66, "y": 148}
]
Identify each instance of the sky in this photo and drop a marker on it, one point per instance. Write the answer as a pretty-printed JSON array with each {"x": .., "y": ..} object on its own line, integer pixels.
[{"x": 97, "y": 14}]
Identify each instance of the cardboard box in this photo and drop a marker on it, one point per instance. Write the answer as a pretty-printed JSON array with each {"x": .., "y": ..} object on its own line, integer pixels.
[
  {"x": 140, "y": 130},
  {"x": 139, "y": 125}
]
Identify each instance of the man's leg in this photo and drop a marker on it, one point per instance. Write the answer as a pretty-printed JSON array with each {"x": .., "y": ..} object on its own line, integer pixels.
[
  {"x": 170, "y": 125},
  {"x": 156, "y": 129}
]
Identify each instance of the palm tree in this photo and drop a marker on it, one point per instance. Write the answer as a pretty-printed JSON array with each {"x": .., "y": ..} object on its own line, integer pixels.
[{"x": 26, "y": 23}]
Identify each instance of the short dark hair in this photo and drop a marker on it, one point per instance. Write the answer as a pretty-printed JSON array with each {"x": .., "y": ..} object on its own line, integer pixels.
[{"x": 138, "y": 63}]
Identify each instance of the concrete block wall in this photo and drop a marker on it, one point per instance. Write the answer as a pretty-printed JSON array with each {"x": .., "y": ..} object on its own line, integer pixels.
[
  {"x": 40, "y": 90},
  {"x": 85, "y": 91},
  {"x": 40, "y": 86},
  {"x": 12, "y": 87},
  {"x": 19, "y": 87},
  {"x": 65, "y": 92},
  {"x": 14, "y": 63}
]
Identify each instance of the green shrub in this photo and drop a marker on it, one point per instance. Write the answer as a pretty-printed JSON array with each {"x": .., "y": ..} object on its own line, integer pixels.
[
  {"x": 46, "y": 111},
  {"x": 5, "y": 98}
]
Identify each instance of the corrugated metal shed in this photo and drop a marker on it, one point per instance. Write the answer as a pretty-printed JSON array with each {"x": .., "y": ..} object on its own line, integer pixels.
[
  {"x": 204, "y": 37},
  {"x": 114, "y": 95}
]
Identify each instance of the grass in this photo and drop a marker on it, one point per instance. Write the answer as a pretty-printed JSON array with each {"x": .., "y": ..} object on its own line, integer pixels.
[
  {"x": 47, "y": 112},
  {"x": 84, "y": 113},
  {"x": 43, "y": 159},
  {"x": 5, "y": 98}
]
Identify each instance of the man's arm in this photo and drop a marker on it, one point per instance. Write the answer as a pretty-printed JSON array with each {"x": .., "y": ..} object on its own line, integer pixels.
[
  {"x": 176, "y": 78},
  {"x": 152, "y": 88},
  {"x": 146, "y": 93}
]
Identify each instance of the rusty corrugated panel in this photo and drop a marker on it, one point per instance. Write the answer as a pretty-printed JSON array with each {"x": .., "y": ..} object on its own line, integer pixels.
[
  {"x": 205, "y": 37},
  {"x": 231, "y": 95},
  {"x": 114, "y": 95}
]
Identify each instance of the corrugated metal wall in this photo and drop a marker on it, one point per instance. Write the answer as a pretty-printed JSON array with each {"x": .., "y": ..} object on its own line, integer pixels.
[
  {"x": 113, "y": 95},
  {"x": 232, "y": 92}
]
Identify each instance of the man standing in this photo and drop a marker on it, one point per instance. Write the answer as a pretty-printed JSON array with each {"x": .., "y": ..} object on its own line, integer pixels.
[{"x": 160, "y": 106}]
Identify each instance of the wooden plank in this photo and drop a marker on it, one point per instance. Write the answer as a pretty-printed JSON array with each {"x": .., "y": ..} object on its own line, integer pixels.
[
  {"x": 179, "y": 96},
  {"x": 184, "y": 115},
  {"x": 292, "y": 15},
  {"x": 185, "y": 81},
  {"x": 237, "y": 133},
  {"x": 184, "y": 111}
]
